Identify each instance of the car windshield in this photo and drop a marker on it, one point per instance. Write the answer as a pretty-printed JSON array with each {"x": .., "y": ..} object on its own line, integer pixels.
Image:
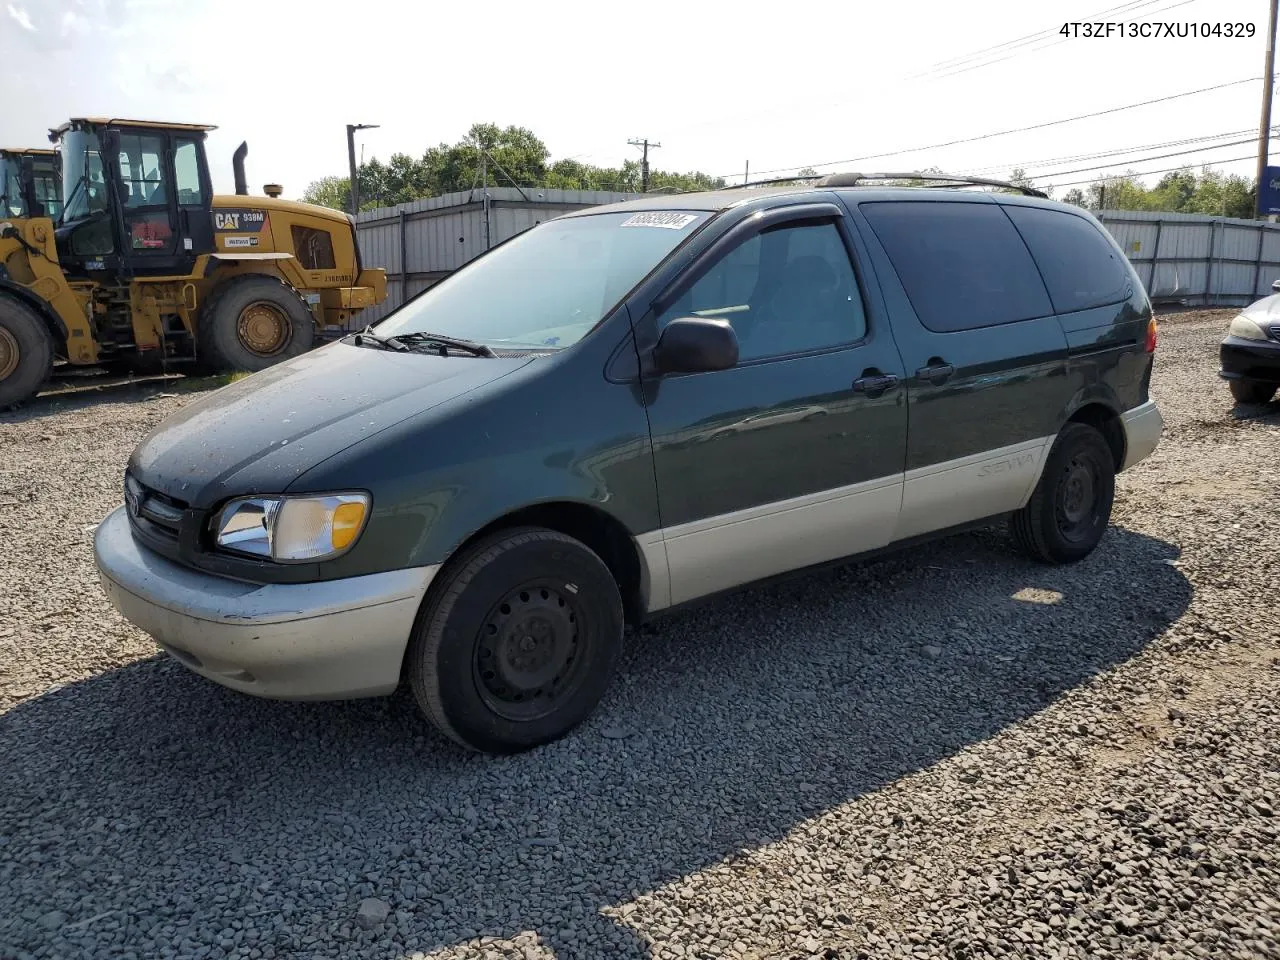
[{"x": 546, "y": 288}]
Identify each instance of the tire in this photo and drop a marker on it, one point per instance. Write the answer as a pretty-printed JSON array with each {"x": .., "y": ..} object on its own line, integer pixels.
[
  {"x": 554, "y": 612},
  {"x": 1252, "y": 391},
  {"x": 1071, "y": 505},
  {"x": 276, "y": 326},
  {"x": 26, "y": 353}
]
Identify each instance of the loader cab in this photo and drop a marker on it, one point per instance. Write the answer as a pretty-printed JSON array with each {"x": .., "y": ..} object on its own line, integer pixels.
[
  {"x": 137, "y": 198},
  {"x": 30, "y": 185}
]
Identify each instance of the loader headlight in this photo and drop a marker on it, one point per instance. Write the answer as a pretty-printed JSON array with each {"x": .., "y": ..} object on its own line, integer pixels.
[
  {"x": 292, "y": 529},
  {"x": 1246, "y": 329}
]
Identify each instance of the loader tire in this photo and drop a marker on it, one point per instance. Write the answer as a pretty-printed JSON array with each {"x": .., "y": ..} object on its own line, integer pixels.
[
  {"x": 26, "y": 353},
  {"x": 253, "y": 323}
]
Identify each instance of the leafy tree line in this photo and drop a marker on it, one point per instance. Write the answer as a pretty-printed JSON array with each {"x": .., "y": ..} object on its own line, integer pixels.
[
  {"x": 1180, "y": 191},
  {"x": 515, "y": 157}
]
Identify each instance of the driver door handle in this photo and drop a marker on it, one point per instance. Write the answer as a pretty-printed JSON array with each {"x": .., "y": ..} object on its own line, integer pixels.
[{"x": 875, "y": 385}]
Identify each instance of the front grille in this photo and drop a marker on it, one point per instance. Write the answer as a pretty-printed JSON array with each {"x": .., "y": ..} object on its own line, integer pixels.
[
  {"x": 1273, "y": 331},
  {"x": 152, "y": 511}
]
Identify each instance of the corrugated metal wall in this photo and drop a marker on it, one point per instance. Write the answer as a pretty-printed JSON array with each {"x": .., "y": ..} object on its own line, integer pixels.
[
  {"x": 1198, "y": 260},
  {"x": 440, "y": 234},
  {"x": 1187, "y": 258}
]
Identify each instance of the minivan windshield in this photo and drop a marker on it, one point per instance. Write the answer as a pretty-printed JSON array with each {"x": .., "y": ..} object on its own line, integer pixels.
[{"x": 547, "y": 287}]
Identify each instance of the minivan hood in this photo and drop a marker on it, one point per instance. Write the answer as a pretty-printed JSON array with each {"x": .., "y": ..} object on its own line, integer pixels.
[{"x": 257, "y": 435}]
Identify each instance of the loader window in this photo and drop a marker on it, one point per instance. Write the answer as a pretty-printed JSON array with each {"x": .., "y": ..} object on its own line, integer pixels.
[
  {"x": 186, "y": 166},
  {"x": 142, "y": 171},
  {"x": 84, "y": 183},
  {"x": 313, "y": 248}
]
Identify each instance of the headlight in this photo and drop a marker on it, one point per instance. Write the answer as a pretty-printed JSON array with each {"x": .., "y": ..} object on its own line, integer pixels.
[
  {"x": 1246, "y": 329},
  {"x": 292, "y": 529}
]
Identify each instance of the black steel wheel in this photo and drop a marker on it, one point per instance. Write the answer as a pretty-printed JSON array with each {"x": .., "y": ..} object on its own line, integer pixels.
[
  {"x": 517, "y": 640},
  {"x": 1252, "y": 391},
  {"x": 1070, "y": 508}
]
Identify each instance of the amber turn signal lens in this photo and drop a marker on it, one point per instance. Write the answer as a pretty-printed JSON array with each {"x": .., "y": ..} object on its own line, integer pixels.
[
  {"x": 347, "y": 520},
  {"x": 1150, "y": 346}
]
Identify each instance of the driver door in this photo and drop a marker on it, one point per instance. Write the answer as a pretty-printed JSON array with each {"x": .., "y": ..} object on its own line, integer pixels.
[{"x": 794, "y": 456}]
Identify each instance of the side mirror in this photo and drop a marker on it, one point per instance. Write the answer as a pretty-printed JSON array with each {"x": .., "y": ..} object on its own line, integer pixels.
[
  {"x": 696, "y": 345},
  {"x": 1275, "y": 286}
]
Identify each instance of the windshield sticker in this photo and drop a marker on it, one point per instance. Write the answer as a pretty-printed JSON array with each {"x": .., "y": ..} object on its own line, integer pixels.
[{"x": 669, "y": 221}]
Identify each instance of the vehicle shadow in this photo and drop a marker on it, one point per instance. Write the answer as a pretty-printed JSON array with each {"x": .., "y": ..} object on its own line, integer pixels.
[{"x": 154, "y": 809}]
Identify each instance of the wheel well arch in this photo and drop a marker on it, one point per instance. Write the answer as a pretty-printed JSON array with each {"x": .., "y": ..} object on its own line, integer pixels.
[
  {"x": 54, "y": 326},
  {"x": 1106, "y": 421},
  {"x": 599, "y": 530}
]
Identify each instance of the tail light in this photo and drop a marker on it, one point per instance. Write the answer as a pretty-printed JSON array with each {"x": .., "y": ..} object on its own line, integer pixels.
[{"x": 1152, "y": 336}]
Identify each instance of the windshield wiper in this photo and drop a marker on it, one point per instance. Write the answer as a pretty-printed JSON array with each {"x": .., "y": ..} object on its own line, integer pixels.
[
  {"x": 423, "y": 337},
  {"x": 386, "y": 343},
  {"x": 75, "y": 192}
]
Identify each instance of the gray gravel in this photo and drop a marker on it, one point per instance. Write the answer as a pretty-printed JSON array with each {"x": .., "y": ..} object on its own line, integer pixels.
[{"x": 947, "y": 753}]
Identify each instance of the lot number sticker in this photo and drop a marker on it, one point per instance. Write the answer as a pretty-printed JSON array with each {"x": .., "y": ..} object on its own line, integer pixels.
[{"x": 669, "y": 221}]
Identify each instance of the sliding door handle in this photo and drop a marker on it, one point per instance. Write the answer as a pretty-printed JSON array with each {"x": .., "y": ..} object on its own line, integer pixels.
[{"x": 936, "y": 372}]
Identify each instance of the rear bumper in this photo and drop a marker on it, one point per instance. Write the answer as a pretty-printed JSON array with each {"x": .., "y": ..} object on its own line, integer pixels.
[
  {"x": 1250, "y": 360},
  {"x": 1142, "y": 427},
  {"x": 330, "y": 640}
]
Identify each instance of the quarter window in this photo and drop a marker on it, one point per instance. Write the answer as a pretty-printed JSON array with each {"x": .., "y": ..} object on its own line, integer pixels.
[
  {"x": 788, "y": 290},
  {"x": 1080, "y": 267},
  {"x": 962, "y": 265}
]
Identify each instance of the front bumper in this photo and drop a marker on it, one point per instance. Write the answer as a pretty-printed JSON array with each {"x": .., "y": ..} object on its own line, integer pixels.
[
  {"x": 1250, "y": 360},
  {"x": 329, "y": 640},
  {"x": 1142, "y": 427}
]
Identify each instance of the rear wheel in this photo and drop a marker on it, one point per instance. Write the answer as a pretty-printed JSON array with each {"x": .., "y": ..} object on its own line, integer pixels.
[
  {"x": 26, "y": 353},
  {"x": 253, "y": 323},
  {"x": 518, "y": 641},
  {"x": 1071, "y": 506},
  {"x": 1252, "y": 391}
]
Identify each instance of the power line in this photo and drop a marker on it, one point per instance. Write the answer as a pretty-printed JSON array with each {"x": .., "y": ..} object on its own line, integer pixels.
[
  {"x": 1147, "y": 173},
  {"x": 1005, "y": 133},
  {"x": 1118, "y": 151},
  {"x": 943, "y": 66},
  {"x": 1161, "y": 156}
]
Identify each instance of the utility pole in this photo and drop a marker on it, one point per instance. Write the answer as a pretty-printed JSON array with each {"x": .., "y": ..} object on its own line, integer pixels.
[
  {"x": 1264, "y": 128},
  {"x": 484, "y": 180},
  {"x": 644, "y": 161},
  {"x": 351, "y": 162},
  {"x": 746, "y": 173}
]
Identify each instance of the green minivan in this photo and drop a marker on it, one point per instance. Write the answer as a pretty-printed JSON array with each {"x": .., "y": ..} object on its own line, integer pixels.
[{"x": 627, "y": 409}]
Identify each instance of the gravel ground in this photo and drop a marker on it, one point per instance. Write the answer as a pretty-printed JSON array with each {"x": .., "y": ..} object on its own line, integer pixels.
[{"x": 947, "y": 753}]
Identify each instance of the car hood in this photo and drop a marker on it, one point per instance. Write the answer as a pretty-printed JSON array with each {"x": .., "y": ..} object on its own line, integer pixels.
[
  {"x": 1264, "y": 311},
  {"x": 257, "y": 435}
]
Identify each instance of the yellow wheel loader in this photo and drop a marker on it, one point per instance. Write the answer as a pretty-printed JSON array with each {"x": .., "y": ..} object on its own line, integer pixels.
[
  {"x": 144, "y": 264},
  {"x": 30, "y": 184}
]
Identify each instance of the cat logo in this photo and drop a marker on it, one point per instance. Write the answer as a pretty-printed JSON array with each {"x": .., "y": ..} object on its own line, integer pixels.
[{"x": 239, "y": 221}]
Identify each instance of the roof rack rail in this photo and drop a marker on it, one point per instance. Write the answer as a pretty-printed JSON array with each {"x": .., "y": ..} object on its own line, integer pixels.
[
  {"x": 950, "y": 180},
  {"x": 855, "y": 179}
]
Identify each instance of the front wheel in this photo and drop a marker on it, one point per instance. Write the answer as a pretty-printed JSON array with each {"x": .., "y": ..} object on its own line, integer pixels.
[
  {"x": 252, "y": 323},
  {"x": 26, "y": 353},
  {"x": 517, "y": 642},
  {"x": 1251, "y": 391},
  {"x": 1071, "y": 505}
]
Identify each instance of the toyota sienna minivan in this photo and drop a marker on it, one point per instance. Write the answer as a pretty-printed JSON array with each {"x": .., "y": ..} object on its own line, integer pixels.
[{"x": 627, "y": 409}]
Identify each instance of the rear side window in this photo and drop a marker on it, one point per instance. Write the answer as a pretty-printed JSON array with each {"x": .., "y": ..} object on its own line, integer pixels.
[
  {"x": 962, "y": 265},
  {"x": 1079, "y": 266}
]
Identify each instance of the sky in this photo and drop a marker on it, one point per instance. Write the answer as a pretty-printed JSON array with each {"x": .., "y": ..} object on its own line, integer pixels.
[{"x": 717, "y": 86}]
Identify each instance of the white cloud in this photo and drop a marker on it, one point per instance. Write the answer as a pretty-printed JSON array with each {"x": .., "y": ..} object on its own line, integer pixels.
[
  {"x": 22, "y": 18},
  {"x": 73, "y": 22}
]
